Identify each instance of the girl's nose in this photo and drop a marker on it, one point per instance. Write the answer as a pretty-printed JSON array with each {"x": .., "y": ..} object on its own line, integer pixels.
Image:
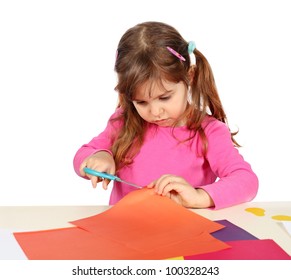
[{"x": 156, "y": 110}]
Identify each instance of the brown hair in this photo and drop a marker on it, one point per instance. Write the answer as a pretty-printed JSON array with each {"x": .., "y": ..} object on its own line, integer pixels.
[{"x": 142, "y": 56}]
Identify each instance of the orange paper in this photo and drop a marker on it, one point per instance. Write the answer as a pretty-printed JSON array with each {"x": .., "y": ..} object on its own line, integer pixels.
[
  {"x": 77, "y": 244},
  {"x": 143, "y": 225},
  {"x": 144, "y": 220}
]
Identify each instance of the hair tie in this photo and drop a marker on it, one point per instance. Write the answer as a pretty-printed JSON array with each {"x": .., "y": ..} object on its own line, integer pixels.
[{"x": 191, "y": 47}]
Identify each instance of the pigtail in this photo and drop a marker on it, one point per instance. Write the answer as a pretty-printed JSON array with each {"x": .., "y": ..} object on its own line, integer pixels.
[
  {"x": 205, "y": 98},
  {"x": 205, "y": 89}
]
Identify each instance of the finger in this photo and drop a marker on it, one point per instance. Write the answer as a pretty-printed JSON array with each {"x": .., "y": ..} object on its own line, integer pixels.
[
  {"x": 82, "y": 166},
  {"x": 176, "y": 187},
  {"x": 155, "y": 182},
  {"x": 151, "y": 185},
  {"x": 159, "y": 183},
  {"x": 105, "y": 184},
  {"x": 163, "y": 182},
  {"x": 175, "y": 182},
  {"x": 168, "y": 195},
  {"x": 111, "y": 170},
  {"x": 94, "y": 181}
]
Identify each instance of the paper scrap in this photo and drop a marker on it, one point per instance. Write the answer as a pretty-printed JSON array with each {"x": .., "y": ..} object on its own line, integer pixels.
[
  {"x": 256, "y": 211},
  {"x": 281, "y": 218}
]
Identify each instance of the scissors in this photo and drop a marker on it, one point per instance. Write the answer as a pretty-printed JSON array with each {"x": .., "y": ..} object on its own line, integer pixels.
[{"x": 108, "y": 176}]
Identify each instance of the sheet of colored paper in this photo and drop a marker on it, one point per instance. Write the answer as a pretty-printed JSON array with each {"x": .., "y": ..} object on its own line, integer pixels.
[
  {"x": 142, "y": 225},
  {"x": 144, "y": 221},
  {"x": 78, "y": 244},
  {"x": 231, "y": 232},
  {"x": 265, "y": 249},
  {"x": 9, "y": 248}
]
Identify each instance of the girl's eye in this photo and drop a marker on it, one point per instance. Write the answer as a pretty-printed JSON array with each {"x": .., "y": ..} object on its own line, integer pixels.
[
  {"x": 165, "y": 98},
  {"x": 140, "y": 102}
]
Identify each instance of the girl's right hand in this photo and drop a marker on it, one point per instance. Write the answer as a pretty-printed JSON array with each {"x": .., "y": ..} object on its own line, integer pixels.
[{"x": 101, "y": 161}]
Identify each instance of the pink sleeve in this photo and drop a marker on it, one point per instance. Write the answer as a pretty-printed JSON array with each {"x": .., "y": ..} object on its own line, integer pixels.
[
  {"x": 237, "y": 182},
  {"x": 102, "y": 142}
]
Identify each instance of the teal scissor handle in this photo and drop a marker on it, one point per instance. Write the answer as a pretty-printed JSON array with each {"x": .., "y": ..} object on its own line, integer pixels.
[{"x": 100, "y": 174}]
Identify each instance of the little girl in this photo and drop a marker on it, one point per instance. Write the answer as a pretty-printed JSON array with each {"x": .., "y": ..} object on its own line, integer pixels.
[{"x": 169, "y": 131}]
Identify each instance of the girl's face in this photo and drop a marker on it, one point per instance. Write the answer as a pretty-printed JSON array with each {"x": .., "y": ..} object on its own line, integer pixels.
[{"x": 161, "y": 105}]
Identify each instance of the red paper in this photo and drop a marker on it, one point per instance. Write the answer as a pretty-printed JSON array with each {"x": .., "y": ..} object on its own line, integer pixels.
[
  {"x": 265, "y": 249},
  {"x": 143, "y": 225}
]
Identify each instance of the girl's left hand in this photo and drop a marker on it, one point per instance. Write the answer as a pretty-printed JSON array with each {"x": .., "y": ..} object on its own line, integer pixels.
[{"x": 180, "y": 191}]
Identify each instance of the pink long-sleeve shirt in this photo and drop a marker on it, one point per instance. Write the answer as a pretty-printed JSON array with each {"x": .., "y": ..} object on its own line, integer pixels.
[{"x": 222, "y": 173}]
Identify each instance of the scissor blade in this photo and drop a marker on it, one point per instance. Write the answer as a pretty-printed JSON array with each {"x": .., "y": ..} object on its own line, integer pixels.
[{"x": 131, "y": 184}]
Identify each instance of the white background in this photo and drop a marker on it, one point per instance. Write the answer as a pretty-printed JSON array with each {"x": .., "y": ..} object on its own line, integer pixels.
[{"x": 57, "y": 86}]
